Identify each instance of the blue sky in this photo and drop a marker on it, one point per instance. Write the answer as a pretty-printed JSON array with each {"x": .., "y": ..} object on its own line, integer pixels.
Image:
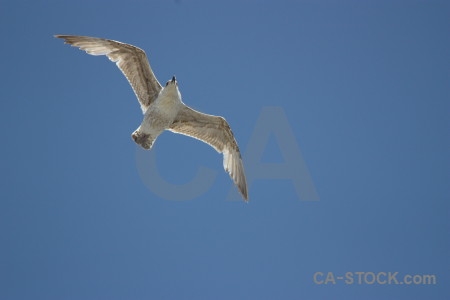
[{"x": 363, "y": 86}]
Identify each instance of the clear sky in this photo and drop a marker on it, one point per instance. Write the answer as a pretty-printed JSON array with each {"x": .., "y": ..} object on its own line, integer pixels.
[{"x": 357, "y": 91}]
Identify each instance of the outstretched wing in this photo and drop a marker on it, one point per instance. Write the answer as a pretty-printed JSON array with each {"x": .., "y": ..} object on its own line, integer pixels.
[
  {"x": 216, "y": 132},
  {"x": 131, "y": 60}
]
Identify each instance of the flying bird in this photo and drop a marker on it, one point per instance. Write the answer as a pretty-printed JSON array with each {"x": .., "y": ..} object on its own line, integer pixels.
[{"x": 163, "y": 107}]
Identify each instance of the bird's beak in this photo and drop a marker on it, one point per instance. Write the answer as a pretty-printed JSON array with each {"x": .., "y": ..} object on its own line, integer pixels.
[{"x": 174, "y": 79}]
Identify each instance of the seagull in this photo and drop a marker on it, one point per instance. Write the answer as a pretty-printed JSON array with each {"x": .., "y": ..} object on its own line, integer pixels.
[{"x": 163, "y": 107}]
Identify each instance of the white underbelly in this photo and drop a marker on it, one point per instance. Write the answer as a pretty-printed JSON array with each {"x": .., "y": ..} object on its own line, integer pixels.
[{"x": 160, "y": 115}]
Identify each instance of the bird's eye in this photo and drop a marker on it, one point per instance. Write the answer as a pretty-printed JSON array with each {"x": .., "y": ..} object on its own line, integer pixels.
[{"x": 167, "y": 83}]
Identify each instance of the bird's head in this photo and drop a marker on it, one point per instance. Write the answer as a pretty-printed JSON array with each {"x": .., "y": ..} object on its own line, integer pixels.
[{"x": 172, "y": 83}]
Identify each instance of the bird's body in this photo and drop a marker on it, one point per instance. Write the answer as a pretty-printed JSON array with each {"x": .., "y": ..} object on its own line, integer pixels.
[
  {"x": 163, "y": 107},
  {"x": 159, "y": 116}
]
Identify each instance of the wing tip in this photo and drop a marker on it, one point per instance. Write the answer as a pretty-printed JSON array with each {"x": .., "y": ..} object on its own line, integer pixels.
[
  {"x": 242, "y": 188},
  {"x": 64, "y": 37},
  {"x": 244, "y": 193},
  {"x": 60, "y": 36}
]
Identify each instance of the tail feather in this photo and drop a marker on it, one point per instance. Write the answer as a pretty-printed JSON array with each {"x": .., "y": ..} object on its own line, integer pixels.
[{"x": 142, "y": 139}]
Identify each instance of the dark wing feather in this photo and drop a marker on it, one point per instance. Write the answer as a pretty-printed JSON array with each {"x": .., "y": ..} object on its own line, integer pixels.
[
  {"x": 216, "y": 132},
  {"x": 131, "y": 60}
]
